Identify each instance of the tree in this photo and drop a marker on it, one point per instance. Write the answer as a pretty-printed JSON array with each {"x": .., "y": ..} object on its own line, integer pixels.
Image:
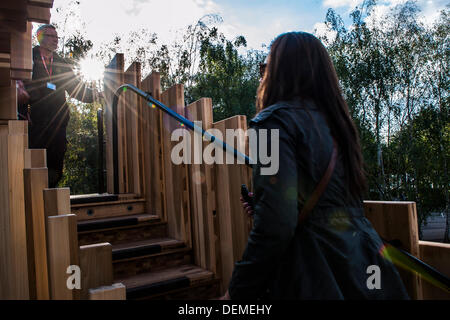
[{"x": 394, "y": 75}]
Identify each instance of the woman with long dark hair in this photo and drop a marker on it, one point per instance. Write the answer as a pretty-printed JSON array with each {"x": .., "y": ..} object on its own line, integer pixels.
[{"x": 330, "y": 250}]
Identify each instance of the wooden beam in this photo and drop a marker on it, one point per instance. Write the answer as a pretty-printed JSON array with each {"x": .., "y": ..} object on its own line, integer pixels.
[
  {"x": 233, "y": 223},
  {"x": 96, "y": 267},
  {"x": 117, "y": 291},
  {"x": 152, "y": 146},
  {"x": 35, "y": 158},
  {"x": 41, "y": 3},
  {"x": 57, "y": 201},
  {"x": 62, "y": 241},
  {"x": 398, "y": 221},
  {"x": 38, "y": 14},
  {"x": 114, "y": 77},
  {"x": 13, "y": 241},
  {"x": 175, "y": 176},
  {"x": 132, "y": 76},
  {"x": 8, "y": 101},
  {"x": 21, "y": 54},
  {"x": 436, "y": 255},
  {"x": 35, "y": 181},
  {"x": 202, "y": 190}
]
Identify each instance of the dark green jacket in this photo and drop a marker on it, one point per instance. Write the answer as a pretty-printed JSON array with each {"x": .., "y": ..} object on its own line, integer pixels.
[{"x": 328, "y": 256}]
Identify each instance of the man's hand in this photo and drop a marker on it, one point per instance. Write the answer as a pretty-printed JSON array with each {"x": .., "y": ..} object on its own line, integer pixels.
[{"x": 22, "y": 95}]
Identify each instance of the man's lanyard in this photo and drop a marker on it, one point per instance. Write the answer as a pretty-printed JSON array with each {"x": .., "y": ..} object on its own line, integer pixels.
[{"x": 45, "y": 65}]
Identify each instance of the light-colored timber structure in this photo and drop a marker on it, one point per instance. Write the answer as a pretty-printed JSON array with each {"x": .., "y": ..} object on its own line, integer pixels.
[{"x": 169, "y": 231}]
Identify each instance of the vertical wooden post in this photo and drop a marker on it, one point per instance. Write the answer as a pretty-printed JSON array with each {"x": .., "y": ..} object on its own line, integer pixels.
[
  {"x": 398, "y": 221},
  {"x": 35, "y": 181},
  {"x": 132, "y": 76},
  {"x": 96, "y": 267},
  {"x": 233, "y": 223},
  {"x": 152, "y": 146},
  {"x": 35, "y": 158},
  {"x": 57, "y": 201},
  {"x": 8, "y": 101},
  {"x": 175, "y": 176},
  {"x": 63, "y": 250},
  {"x": 21, "y": 54},
  {"x": 13, "y": 242},
  {"x": 114, "y": 77},
  {"x": 202, "y": 190},
  {"x": 436, "y": 255}
]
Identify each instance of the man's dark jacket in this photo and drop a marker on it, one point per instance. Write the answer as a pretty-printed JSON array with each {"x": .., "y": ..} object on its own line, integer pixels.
[
  {"x": 328, "y": 256},
  {"x": 49, "y": 110}
]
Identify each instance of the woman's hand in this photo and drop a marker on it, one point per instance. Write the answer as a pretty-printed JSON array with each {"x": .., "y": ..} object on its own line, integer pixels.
[
  {"x": 22, "y": 94},
  {"x": 248, "y": 209},
  {"x": 226, "y": 296}
]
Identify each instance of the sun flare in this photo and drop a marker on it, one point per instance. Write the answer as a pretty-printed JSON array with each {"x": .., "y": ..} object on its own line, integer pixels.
[{"x": 91, "y": 69}]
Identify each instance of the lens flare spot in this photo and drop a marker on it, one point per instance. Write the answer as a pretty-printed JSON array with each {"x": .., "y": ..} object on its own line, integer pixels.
[
  {"x": 291, "y": 193},
  {"x": 91, "y": 69},
  {"x": 339, "y": 221},
  {"x": 198, "y": 177}
]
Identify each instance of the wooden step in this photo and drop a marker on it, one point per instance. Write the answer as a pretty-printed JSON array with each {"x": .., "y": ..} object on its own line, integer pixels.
[
  {"x": 109, "y": 209},
  {"x": 172, "y": 281},
  {"x": 118, "y": 230},
  {"x": 150, "y": 255}
]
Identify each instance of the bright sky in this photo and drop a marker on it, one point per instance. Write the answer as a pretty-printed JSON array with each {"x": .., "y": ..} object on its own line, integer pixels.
[{"x": 259, "y": 21}]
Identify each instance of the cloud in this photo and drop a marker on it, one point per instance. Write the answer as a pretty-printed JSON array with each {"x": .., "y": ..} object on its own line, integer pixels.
[{"x": 341, "y": 3}]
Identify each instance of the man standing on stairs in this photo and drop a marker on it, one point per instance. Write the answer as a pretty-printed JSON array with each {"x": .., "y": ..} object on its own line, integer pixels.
[{"x": 42, "y": 101}]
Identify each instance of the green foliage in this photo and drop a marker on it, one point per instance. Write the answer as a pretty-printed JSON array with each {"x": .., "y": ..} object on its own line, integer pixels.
[
  {"x": 80, "y": 162},
  {"x": 394, "y": 75},
  {"x": 227, "y": 77}
]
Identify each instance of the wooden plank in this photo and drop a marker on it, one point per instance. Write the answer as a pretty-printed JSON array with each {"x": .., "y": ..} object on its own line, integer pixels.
[
  {"x": 5, "y": 45},
  {"x": 436, "y": 255},
  {"x": 21, "y": 54},
  {"x": 96, "y": 267},
  {"x": 117, "y": 291},
  {"x": 41, "y": 3},
  {"x": 188, "y": 271},
  {"x": 152, "y": 146},
  {"x": 38, "y": 14},
  {"x": 132, "y": 76},
  {"x": 232, "y": 222},
  {"x": 35, "y": 181},
  {"x": 62, "y": 241},
  {"x": 175, "y": 176},
  {"x": 8, "y": 101},
  {"x": 35, "y": 158},
  {"x": 57, "y": 201},
  {"x": 114, "y": 77},
  {"x": 398, "y": 221},
  {"x": 109, "y": 210},
  {"x": 13, "y": 242},
  {"x": 202, "y": 189}
]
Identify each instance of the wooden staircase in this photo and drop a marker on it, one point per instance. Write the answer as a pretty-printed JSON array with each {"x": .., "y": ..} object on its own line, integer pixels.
[{"x": 145, "y": 259}]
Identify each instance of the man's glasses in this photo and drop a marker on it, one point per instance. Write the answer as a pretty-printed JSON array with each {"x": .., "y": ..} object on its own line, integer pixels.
[
  {"x": 262, "y": 69},
  {"x": 51, "y": 36}
]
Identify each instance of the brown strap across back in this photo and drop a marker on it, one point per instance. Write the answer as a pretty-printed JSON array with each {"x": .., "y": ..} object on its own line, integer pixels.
[{"x": 320, "y": 188}]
